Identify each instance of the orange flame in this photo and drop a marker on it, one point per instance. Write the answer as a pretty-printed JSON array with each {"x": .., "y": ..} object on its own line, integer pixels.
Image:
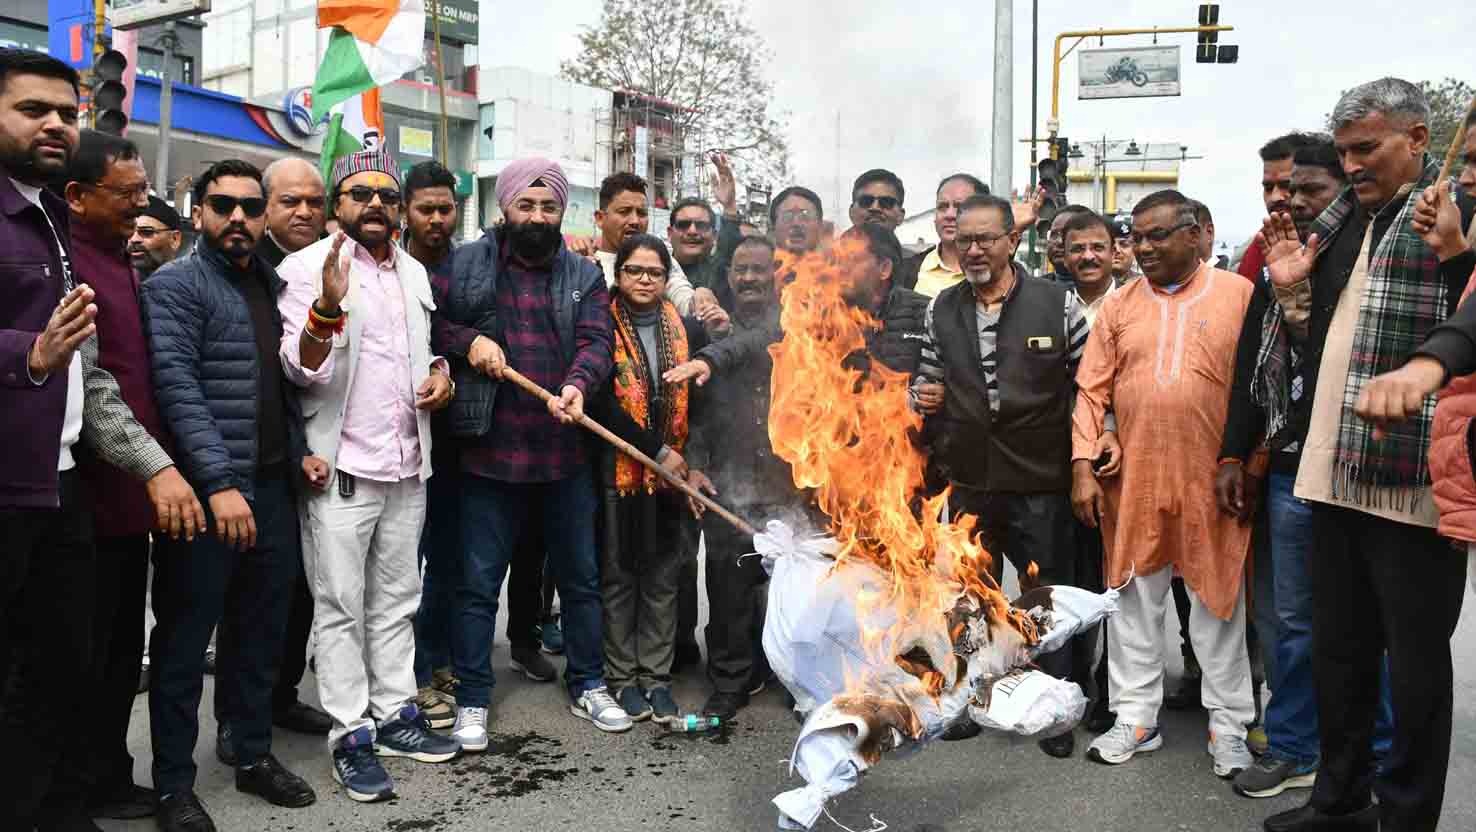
[{"x": 847, "y": 434}]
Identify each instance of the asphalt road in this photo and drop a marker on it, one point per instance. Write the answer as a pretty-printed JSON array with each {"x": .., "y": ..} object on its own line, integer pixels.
[{"x": 547, "y": 770}]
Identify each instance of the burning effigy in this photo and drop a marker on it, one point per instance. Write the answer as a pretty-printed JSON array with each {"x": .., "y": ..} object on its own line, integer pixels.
[{"x": 887, "y": 628}]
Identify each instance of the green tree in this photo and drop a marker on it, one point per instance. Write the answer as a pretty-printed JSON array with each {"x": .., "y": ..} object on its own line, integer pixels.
[
  {"x": 702, "y": 56},
  {"x": 1449, "y": 101}
]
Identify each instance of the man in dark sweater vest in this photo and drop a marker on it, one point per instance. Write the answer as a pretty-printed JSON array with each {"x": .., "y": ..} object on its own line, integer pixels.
[{"x": 996, "y": 384}]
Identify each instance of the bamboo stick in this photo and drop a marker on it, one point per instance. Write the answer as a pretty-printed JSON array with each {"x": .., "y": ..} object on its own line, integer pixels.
[
  {"x": 509, "y": 374},
  {"x": 1457, "y": 144}
]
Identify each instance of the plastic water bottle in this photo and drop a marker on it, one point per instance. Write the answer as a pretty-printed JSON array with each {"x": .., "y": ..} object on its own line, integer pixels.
[{"x": 694, "y": 724}]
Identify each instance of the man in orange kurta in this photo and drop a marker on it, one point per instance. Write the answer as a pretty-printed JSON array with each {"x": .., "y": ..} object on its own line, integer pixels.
[{"x": 1161, "y": 358}]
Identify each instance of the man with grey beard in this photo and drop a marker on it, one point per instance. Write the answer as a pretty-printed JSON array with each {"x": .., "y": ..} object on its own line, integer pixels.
[{"x": 997, "y": 389}]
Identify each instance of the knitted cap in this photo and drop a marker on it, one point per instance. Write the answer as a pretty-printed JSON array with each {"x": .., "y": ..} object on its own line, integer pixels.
[{"x": 375, "y": 160}]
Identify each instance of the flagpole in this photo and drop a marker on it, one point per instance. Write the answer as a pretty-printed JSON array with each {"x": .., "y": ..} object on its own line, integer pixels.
[{"x": 440, "y": 80}]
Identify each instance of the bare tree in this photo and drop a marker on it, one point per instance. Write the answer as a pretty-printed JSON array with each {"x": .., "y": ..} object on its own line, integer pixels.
[{"x": 702, "y": 56}]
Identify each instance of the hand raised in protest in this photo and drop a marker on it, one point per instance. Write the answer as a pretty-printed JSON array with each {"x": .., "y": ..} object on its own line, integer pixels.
[
  {"x": 1288, "y": 260},
  {"x": 335, "y": 277},
  {"x": 71, "y": 323},
  {"x": 724, "y": 188}
]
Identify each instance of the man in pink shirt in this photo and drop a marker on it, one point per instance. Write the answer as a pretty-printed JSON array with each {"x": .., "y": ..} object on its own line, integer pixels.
[{"x": 356, "y": 341}]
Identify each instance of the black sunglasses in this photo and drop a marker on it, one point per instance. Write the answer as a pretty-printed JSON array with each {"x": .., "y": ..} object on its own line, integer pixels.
[
  {"x": 867, "y": 200},
  {"x": 362, "y": 194},
  {"x": 683, "y": 225},
  {"x": 251, "y": 206}
]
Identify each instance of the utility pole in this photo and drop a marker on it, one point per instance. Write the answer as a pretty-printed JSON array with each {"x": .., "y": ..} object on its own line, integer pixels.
[
  {"x": 1001, "y": 155},
  {"x": 441, "y": 83},
  {"x": 169, "y": 41},
  {"x": 1034, "y": 116}
]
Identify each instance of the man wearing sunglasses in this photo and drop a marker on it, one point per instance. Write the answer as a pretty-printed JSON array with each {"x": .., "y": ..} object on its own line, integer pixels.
[
  {"x": 999, "y": 354},
  {"x": 294, "y": 220},
  {"x": 156, "y": 238},
  {"x": 876, "y": 199},
  {"x": 213, "y": 333},
  {"x": 356, "y": 321},
  {"x": 1161, "y": 357}
]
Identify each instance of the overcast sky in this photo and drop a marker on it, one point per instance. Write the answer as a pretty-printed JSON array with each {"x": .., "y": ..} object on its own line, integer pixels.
[{"x": 909, "y": 83}]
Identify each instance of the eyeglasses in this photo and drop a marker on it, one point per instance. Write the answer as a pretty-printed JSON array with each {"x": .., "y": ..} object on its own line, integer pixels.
[
  {"x": 655, "y": 273},
  {"x": 968, "y": 241},
  {"x": 1159, "y": 235},
  {"x": 134, "y": 193},
  {"x": 223, "y": 205},
  {"x": 796, "y": 215},
  {"x": 684, "y": 225},
  {"x": 887, "y": 203},
  {"x": 363, "y": 194}
]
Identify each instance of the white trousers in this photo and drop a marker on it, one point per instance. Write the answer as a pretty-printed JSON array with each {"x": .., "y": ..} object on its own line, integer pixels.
[
  {"x": 1136, "y": 644},
  {"x": 361, "y": 556}
]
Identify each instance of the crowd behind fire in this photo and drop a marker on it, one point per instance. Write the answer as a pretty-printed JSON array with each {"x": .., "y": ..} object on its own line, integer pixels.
[{"x": 314, "y": 438}]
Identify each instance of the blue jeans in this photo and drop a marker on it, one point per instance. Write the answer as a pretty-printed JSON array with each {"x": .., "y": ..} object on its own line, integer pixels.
[
  {"x": 492, "y": 517},
  {"x": 1291, "y": 718},
  {"x": 440, "y": 553}
]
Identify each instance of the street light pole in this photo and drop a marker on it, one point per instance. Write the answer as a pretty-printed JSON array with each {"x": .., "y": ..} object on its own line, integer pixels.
[
  {"x": 169, "y": 41},
  {"x": 1001, "y": 155}
]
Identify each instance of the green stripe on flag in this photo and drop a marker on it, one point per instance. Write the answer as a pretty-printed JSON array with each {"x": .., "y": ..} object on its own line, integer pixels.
[
  {"x": 336, "y": 142},
  {"x": 341, "y": 76}
]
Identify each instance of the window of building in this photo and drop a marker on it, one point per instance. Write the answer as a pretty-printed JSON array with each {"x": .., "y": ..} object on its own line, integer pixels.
[{"x": 227, "y": 39}]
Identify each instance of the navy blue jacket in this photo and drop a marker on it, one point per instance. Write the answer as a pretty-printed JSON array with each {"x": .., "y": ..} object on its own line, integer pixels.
[
  {"x": 471, "y": 301},
  {"x": 205, "y": 361}
]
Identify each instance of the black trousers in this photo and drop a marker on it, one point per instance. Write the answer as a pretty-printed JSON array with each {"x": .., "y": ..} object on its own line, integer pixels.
[
  {"x": 1090, "y": 570},
  {"x": 199, "y": 585},
  {"x": 686, "y": 633},
  {"x": 737, "y": 595},
  {"x": 1026, "y": 528},
  {"x": 47, "y": 596},
  {"x": 118, "y": 642},
  {"x": 530, "y": 588},
  {"x": 1383, "y": 586},
  {"x": 294, "y": 654}
]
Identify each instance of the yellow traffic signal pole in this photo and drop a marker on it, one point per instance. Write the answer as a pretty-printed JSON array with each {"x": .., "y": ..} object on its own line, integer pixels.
[
  {"x": 99, "y": 27},
  {"x": 1054, "y": 124}
]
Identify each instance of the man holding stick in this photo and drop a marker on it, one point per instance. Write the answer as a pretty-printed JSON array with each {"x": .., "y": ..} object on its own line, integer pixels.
[{"x": 517, "y": 298}]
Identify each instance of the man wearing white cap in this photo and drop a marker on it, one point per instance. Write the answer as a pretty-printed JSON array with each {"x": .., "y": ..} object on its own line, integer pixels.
[
  {"x": 356, "y": 323},
  {"x": 518, "y": 298}
]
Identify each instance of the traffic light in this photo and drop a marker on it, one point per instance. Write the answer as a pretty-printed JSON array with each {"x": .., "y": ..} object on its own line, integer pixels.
[
  {"x": 108, "y": 93},
  {"x": 1051, "y": 173}
]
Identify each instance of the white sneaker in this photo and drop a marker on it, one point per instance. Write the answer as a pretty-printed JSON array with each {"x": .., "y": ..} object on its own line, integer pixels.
[
  {"x": 599, "y": 707},
  {"x": 1118, "y": 745},
  {"x": 471, "y": 729},
  {"x": 1231, "y": 755}
]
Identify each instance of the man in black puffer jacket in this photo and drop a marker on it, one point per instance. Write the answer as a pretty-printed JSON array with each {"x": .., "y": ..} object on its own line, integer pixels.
[{"x": 213, "y": 330}]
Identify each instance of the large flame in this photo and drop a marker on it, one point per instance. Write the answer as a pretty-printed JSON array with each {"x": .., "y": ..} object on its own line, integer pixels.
[{"x": 846, "y": 429}]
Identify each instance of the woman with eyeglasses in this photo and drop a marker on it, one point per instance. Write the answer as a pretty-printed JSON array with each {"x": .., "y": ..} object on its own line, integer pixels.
[{"x": 640, "y": 561}]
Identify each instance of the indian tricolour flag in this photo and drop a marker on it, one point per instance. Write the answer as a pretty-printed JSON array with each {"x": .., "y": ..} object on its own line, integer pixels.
[{"x": 374, "y": 42}]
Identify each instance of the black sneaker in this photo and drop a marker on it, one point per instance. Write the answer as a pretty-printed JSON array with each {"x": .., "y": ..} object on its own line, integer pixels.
[
  {"x": 182, "y": 812},
  {"x": 357, "y": 769},
  {"x": 664, "y": 709},
  {"x": 269, "y": 780},
  {"x": 1059, "y": 747},
  {"x": 533, "y": 664},
  {"x": 225, "y": 745},
  {"x": 725, "y": 706}
]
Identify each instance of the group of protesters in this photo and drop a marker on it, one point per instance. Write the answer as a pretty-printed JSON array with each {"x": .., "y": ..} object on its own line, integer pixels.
[{"x": 335, "y": 445}]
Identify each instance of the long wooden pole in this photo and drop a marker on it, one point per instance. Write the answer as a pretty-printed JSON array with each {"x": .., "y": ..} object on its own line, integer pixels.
[
  {"x": 1457, "y": 144},
  {"x": 621, "y": 445}
]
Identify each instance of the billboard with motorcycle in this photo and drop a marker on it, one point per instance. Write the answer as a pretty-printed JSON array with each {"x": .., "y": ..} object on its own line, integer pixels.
[{"x": 1139, "y": 72}]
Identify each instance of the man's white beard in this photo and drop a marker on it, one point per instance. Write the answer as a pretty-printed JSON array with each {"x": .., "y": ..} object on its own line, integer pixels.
[{"x": 980, "y": 279}]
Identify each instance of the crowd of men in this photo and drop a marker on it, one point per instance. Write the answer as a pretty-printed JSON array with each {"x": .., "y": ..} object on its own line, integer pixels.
[{"x": 319, "y": 442}]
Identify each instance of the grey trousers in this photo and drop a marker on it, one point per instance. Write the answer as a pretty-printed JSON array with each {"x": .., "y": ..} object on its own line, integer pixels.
[{"x": 640, "y": 617}]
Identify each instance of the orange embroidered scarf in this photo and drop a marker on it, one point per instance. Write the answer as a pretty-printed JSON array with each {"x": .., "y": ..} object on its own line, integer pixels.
[{"x": 632, "y": 384}]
